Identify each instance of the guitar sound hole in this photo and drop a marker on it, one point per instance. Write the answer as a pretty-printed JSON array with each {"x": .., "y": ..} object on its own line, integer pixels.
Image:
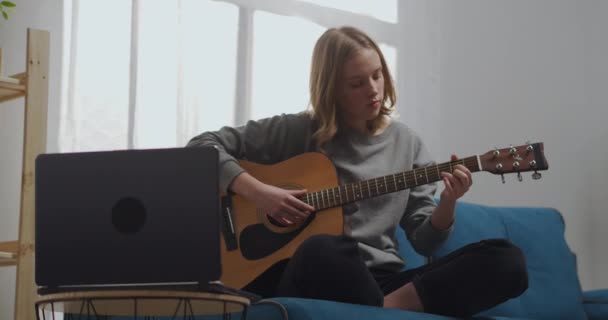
[{"x": 276, "y": 223}]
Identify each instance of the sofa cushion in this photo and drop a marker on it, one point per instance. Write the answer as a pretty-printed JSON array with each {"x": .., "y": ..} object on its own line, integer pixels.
[
  {"x": 487, "y": 224},
  {"x": 554, "y": 290},
  {"x": 596, "y": 304},
  {"x": 473, "y": 223},
  {"x": 407, "y": 252}
]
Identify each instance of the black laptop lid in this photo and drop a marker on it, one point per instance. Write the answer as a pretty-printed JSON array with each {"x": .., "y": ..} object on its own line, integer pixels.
[{"x": 127, "y": 217}]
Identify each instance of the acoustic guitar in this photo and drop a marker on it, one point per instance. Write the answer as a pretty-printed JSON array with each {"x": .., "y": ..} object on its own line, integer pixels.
[{"x": 253, "y": 242}]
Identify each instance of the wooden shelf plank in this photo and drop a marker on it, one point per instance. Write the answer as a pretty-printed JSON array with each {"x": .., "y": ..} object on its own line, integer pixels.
[
  {"x": 9, "y": 80},
  {"x": 11, "y": 88},
  {"x": 8, "y": 253},
  {"x": 7, "y": 262},
  {"x": 21, "y": 77},
  {"x": 9, "y": 246}
]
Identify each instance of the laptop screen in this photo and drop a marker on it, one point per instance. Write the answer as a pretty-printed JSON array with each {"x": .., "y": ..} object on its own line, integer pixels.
[{"x": 127, "y": 217}]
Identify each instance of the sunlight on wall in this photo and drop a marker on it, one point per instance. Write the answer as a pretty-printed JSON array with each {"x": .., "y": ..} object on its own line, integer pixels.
[
  {"x": 390, "y": 55},
  {"x": 385, "y": 10},
  {"x": 101, "y": 86},
  {"x": 157, "y": 75},
  {"x": 281, "y": 63},
  {"x": 188, "y": 61}
]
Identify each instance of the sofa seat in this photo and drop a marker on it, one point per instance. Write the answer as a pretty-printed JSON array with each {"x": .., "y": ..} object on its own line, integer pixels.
[{"x": 309, "y": 309}]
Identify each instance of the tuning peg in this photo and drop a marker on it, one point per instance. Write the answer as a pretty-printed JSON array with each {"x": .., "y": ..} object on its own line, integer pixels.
[
  {"x": 519, "y": 177},
  {"x": 529, "y": 148},
  {"x": 502, "y": 177},
  {"x": 496, "y": 152},
  {"x": 512, "y": 150},
  {"x": 533, "y": 163},
  {"x": 536, "y": 175}
]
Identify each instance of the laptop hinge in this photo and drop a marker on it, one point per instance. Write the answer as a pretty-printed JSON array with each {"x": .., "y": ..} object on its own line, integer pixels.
[{"x": 227, "y": 221}]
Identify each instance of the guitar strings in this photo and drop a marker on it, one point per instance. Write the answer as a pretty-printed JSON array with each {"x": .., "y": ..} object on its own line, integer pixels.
[{"x": 357, "y": 188}]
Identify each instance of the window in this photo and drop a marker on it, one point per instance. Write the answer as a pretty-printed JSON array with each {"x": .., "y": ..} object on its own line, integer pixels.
[{"x": 163, "y": 71}]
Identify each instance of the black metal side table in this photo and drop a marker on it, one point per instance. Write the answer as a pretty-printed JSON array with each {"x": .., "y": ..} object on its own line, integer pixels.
[{"x": 139, "y": 304}]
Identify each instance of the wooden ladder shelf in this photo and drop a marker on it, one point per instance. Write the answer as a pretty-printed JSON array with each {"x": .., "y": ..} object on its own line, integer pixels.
[{"x": 33, "y": 85}]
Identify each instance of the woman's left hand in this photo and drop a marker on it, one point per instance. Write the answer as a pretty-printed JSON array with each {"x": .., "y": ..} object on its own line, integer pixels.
[{"x": 456, "y": 183}]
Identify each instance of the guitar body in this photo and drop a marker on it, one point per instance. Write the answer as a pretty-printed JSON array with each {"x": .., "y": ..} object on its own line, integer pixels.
[{"x": 261, "y": 243}]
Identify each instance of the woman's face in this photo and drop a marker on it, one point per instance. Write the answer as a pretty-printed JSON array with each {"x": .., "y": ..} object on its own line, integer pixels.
[{"x": 361, "y": 89}]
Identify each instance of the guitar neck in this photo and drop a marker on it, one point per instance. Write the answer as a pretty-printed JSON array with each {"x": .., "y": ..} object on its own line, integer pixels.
[{"x": 337, "y": 196}]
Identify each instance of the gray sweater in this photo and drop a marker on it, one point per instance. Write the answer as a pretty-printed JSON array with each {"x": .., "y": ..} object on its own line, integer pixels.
[{"x": 372, "y": 222}]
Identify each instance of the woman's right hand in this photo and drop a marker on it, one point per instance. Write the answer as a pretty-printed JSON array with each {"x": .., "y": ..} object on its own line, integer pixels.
[{"x": 281, "y": 204}]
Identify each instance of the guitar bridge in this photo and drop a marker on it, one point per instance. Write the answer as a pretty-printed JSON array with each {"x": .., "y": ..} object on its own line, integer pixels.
[{"x": 228, "y": 228}]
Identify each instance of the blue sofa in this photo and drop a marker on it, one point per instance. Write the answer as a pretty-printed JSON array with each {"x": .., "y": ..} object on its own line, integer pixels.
[{"x": 554, "y": 291}]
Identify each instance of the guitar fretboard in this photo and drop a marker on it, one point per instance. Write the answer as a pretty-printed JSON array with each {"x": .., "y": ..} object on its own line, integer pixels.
[{"x": 337, "y": 196}]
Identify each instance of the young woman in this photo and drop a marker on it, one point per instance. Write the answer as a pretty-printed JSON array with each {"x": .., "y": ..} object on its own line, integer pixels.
[{"x": 352, "y": 97}]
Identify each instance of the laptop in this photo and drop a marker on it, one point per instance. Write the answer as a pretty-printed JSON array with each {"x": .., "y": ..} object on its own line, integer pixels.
[{"x": 127, "y": 218}]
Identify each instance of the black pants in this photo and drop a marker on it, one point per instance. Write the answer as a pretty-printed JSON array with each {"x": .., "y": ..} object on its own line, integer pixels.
[{"x": 469, "y": 280}]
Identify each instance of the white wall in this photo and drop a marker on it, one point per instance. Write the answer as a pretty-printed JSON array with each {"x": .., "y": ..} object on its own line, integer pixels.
[
  {"x": 512, "y": 71},
  {"x": 47, "y": 15},
  {"x": 597, "y": 137}
]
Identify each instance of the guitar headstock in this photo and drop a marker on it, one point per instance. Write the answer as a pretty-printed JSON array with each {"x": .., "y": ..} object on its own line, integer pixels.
[{"x": 528, "y": 157}]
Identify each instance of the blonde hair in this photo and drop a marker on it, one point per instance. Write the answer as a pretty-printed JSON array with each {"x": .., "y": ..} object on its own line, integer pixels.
[{"x": 331, "y": 51}]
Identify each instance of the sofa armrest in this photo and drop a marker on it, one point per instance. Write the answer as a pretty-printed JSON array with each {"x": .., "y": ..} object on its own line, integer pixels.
[{"x": 595, "y": 303}]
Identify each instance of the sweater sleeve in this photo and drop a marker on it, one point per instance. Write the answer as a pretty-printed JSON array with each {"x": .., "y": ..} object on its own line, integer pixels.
[
  {"x": 264, "y": 141},
  {"x": 416, "y": 221}
]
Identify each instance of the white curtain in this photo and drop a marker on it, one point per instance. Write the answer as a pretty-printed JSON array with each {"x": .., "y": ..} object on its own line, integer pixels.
[{"x": 152, "y": 74}]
